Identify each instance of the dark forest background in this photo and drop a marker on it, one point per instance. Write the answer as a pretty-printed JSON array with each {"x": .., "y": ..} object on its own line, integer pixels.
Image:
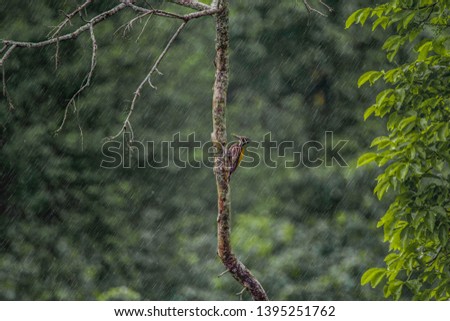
[{"x": 71, "y": 230}]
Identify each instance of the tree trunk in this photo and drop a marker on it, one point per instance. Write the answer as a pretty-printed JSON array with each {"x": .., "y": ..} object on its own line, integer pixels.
[{"x": 221, "y": 168}]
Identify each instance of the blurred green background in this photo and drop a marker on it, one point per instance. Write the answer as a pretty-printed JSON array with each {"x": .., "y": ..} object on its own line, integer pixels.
[{"x": 71, "y": 230}]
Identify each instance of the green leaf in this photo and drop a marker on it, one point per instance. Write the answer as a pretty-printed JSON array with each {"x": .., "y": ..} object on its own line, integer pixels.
[
  {"x": 411, "y": 153},
  {"x": 430, "y": 220},
  {"x": 382, "y": 95},
  {"x": 353, "y": 18},
  {"x": 443, "y": 132},
  {"x": 408, "y": 19},
  {"x": 392, "y": 75},
  {"x": 443, "y": 234},
  {"x": 374, "y": 276},
  {"x": 381, "y": 21},
  {"x": 413, "y": 34},
  {"x": 382, "y": 142},
  {"x": 440, "y": 210},
  {"x": 405, "y": 122},
  {"x": 394, "y": 289},
  {"x": 391, "y": 258},
  {"x": 423, "y": 50},
  {"x": 439, "y": 48},
  {"x": 359, "y": 16},
  {"x": 414, "y": 285},
  {"x": 371, "y": 76},
  {"x": 364, "y": 15},
  {"x": 366, "y": 159},
  {"x": 369, "y": 111},
  {"x": 402, "y": 171},
  {"x": 381, "y": 188},
  {"x": 392, "y": 42}
]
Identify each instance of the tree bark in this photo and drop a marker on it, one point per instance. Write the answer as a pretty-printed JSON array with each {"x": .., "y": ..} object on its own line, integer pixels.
[{"x": 221, "y": 168}]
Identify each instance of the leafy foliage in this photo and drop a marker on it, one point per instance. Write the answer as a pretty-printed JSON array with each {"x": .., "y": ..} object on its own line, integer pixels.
[{"x": 416, "y": 152}]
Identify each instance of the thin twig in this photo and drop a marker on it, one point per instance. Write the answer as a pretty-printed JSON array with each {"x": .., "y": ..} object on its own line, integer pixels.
[
  {"x": 5, "y": 90},
  {"x": 55, "y": 31},
  {"x": 80, "y": 128},
  {"x": 223, "y": 273},
  {"x": 310, "y": 9},
  {"x": 56, "y": 55},
  {"x": 240, "y": 293},
  {"x": 86, "y": 81},
  {"x": 143, "y": 28},
  {"x": 3, "y": 81},
  {"x": 129, "y": 25},
  {"x": 330, "y": 9},
  {"x": 147, "y": 79}
]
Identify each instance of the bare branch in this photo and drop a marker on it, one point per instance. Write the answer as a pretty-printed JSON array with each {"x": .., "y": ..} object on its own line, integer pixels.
[
  {"x": 219, "y": 137},
  {"x": 199, "y": 14},
  {"x": 69, "y": 36},
  {"x": 147, "y": 79},
  {"x": 10, "y": 45},
  {"x": 156, "y": 12},
  {"x": 57, "y": 55},
  {"x": 193, "y": 4},
  {"x": 129, "y": 25},
  {"x": 3, "y": 81},
  {"x": 194, "y": 15},
  {"x": 86, "y": 82},
  {"x": 2, "y": 61},
  {"x": 55, "y": 31}
]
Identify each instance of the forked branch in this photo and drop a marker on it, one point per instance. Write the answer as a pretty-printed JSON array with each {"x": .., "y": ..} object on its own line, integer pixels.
[
  {"x": 86, "y": 82},
  {"x": 126, "y": 124},
  {"x": 55, "y": 38}
]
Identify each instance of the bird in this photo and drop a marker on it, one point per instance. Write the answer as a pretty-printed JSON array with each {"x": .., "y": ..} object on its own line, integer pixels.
[{"x": 235, "y": 153}]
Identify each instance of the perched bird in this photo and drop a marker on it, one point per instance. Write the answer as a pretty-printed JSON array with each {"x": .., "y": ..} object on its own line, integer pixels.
[{"x": 236, "y": 153}]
